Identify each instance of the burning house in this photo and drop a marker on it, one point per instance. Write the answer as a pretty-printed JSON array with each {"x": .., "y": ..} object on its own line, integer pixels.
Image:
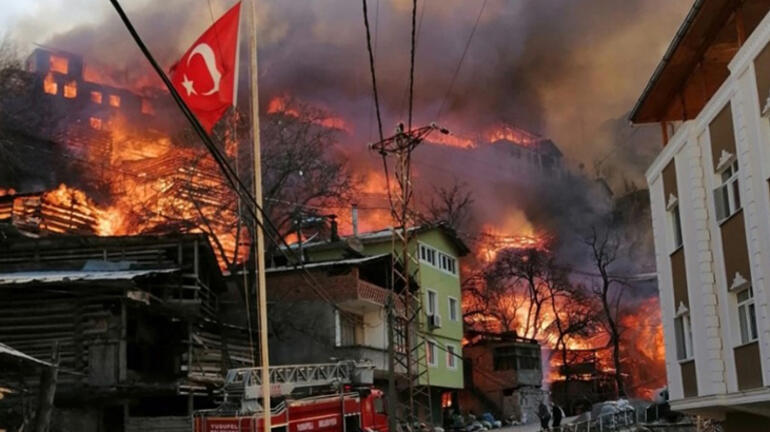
[
  {"x": 503, "y": 375},
  {"x": 138, "y": 323},
  {"x": 114, "y": 160}
]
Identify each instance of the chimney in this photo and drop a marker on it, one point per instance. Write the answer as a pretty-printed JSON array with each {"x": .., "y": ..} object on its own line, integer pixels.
[{"x": 354, "y": 215}]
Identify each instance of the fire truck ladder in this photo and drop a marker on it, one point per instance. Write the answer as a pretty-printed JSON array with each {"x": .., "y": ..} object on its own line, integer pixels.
[
  {"x": 245, "y": 384},
  {"x": 407, "y": 344}
]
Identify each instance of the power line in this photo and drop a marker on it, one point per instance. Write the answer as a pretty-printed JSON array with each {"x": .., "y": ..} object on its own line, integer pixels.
[
  {"x": 460, "y": 63},
  {"x": 371, "y": 69},
  {"x": 235, "y": 182}
]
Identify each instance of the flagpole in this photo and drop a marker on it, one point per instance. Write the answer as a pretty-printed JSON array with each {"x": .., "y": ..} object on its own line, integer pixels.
[{"x": 260, "y": 258}]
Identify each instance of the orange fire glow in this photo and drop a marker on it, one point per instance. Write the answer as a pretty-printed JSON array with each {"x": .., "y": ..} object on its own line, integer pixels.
[
  {"x": 49, "y": 84},
  {"x": 283, "y": 105},
  {"x": 451, "y": 140},
  {"x": 59, "y": 64},
  {"x": 70, "y": 90},
  {"x": 515, "y": 232},
  {"x": 96, "y": 97},
  {"x": 513, "y": 134}
]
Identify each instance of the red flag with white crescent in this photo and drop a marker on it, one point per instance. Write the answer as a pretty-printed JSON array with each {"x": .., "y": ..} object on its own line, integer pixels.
[{"x": 206, "y": 75}]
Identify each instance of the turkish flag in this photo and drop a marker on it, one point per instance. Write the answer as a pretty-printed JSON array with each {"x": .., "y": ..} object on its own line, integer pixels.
[{"x": 207, "y": 74}]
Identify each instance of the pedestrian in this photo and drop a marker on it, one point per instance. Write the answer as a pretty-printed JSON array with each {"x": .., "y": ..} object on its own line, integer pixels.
[
  {"x": 544, "y": 414},
  {"x": 558, "y": 414}
]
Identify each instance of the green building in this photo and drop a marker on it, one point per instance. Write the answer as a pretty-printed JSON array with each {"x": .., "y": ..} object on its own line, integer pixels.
[{"x": 438, "y": 248}]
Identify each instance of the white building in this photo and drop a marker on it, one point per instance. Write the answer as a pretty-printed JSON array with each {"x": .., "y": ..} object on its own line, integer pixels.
[{"x": 711, "y": 210}]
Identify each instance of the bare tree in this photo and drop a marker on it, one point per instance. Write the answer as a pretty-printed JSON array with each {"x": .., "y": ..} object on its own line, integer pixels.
[
  {"x": 573, "y": 317},
  {"x": 604, "y": 245},
  {"x": 451, "y": 205},
  {"x": 300, "y": 167}
]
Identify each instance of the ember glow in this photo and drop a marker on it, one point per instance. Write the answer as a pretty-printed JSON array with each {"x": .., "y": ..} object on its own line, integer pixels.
[
  {"x": 512, "y": 134},
  {"x": 285, "y": 105}
]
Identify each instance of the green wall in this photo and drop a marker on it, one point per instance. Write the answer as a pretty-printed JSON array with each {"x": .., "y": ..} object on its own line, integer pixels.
[{"x": 446, "y": 285}]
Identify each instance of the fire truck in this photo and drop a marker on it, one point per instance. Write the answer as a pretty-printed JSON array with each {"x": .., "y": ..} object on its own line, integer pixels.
[{"x": 326, "y": 397}]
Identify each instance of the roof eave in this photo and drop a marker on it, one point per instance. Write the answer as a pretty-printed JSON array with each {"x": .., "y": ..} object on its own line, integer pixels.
[{"x": 634, "y": 116}]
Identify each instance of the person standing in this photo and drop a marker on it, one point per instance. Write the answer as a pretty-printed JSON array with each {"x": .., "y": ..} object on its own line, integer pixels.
[
  {"x": 558, "y": 415},
  {"x": 544, "y": 414}
]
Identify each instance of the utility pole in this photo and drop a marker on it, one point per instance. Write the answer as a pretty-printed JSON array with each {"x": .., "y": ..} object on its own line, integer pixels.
[
  {"x": 407, "y": 327},
  {"x": 260, "y": 258}
]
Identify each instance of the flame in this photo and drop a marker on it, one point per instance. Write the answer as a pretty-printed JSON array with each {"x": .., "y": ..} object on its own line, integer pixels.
[
  {"x": 70, "y": 90},
  {"x": 59, "y": 64},
  {"x": 96, "y": 97},
  {"x": 515, "y": 232},
  {"x": 49, "y": 84},
  {"x": 114, "y": 100},
  {"x": 8, "y": 191},
  {"x": 513, "y": 134},
  {"x": 283, "y": 105},
  {"x": 451, "y": 140}
]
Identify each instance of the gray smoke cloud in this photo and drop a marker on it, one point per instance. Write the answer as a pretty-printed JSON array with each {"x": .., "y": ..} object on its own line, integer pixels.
[{"x": 567, "y": 70}]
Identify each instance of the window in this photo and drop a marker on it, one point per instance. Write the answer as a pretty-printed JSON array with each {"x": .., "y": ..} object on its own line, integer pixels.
[
  {"x": 676, "y": 226},
  {"x": 683, "y": 335},
  {"x": 516, "y": 358},
  {"x": 349, "y": 329},
  {"x": 432, "y": 301},
  {"x": 747, "y": 317},
  {"x": 430, "y": 352},
  {"x": 96, "y": 123},
  {"x": 428, "y": 254},
  {"x": 727, "y": 197},
  {"x": 96, "y": 97},
  {"x": 50, "y": 85},
  {"x": 71, "y": 90},
  {"x": 147, "y": 107},
  {"x": 447, "y": 263},
  {"x": 438, "y": 259},
  {"x": 59, "y": 64},
  {"x": 114, "y": 100},
  {"x": 454, "y": 313},
  {"x": 451, "y": 357}
]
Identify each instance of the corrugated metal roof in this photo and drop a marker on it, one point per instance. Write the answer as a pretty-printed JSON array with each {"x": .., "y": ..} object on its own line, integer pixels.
[
  {"x": 327, "y": 263},
  {"x": 25, "y": 277},
  {"x": 6, "y": 350}
]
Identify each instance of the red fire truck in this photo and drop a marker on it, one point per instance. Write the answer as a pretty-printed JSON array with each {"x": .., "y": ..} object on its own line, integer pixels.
[{"x": 328, "y": 397}]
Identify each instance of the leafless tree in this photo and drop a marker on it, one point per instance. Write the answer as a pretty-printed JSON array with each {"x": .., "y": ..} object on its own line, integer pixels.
[
  {"x": 603, "y": 244},
  {"x": 300, "y": 167},
  {"x": 451, "y": 205},
  {"x": 573, "y": 316}
]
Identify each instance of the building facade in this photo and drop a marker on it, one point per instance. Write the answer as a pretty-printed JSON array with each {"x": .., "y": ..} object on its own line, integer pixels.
[
  {"x": 503, "y": 375},
  {"x": 438, "y": 278},
  {"x": 710, "y": 206}
]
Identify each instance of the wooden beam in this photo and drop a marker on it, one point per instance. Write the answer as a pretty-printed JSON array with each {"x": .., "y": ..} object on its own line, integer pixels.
[{"x": 664, "y": 129}]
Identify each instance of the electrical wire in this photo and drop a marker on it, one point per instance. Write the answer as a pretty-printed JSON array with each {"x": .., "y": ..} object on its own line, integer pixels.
[
  {"x": 235, "y": 182},
  {"x": 460, "y": 63},
  {"x": 371, "y": 70}
]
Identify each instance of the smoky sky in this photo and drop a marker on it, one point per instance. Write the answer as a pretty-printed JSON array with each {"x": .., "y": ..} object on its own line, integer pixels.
[{"x": 567, "y": 70}]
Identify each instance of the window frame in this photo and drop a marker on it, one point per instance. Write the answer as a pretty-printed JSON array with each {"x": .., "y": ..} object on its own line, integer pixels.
[
  {"x": 746, "y": 310},
  {"x": 451, "y": 356},
  {"x": 431, "y": 353},
  {"x": 431, "y": 308},
  {"x": 675, "y": 223},
  {"x": 727, "y": 195},
  {"x": 683, "y": 340},
  {"x": 453, "y": 311}
]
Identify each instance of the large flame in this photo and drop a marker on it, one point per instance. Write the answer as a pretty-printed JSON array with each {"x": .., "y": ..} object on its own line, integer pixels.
[{"x": 284, "y": 105}]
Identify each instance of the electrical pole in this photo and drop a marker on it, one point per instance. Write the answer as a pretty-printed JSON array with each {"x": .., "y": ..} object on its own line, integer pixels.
[{"x": 406, "y": 327}]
